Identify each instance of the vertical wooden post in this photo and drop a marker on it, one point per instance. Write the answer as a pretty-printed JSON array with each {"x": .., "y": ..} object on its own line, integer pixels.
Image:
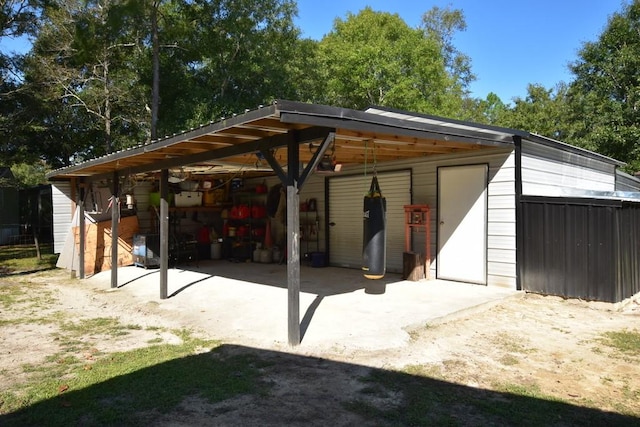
[
  {"x": 293, "y": 263},
  {"x": 115, "y": 218},
  {"x": 81, "y": 231},
  {"x": 164, "y": 232},
  {"x": 74, "y": 209},
  {"x": 293, "y": 249}
]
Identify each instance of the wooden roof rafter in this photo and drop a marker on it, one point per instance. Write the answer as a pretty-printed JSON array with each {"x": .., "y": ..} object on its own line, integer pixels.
[{"x": 235, "y": 139}]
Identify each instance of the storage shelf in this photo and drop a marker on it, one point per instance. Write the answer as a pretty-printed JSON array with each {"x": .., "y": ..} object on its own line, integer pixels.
[{"x": 199, "y": 208}]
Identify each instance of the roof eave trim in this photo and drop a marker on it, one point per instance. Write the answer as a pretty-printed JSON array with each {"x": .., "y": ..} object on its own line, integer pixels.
[
  {"x": 257, "y": 114},
  {"x": 290, "y": 109},
  {"x": 550, "y": 142},
  {"x": 498, "y": 129}
]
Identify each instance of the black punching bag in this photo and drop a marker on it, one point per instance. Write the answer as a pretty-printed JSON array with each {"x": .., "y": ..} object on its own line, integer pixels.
[{"x": 374, "y": 246}]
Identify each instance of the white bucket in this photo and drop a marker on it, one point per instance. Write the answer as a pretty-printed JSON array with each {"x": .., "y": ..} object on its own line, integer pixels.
[
  {"x": 216, "y": 250},
  {"x": 277, "y": 254},
  {"x": 265, "y": 256}
]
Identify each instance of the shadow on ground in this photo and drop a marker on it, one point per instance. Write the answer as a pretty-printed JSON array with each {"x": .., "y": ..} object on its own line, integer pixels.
[
  {"x": 319, "y": 281},
  {"x": 235, "y": 385}
]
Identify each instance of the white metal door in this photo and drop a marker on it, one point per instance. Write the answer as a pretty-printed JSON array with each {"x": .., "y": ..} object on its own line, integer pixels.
[
  {"x": 462, "y": 223},
  {"x": 346, "y": 198}
]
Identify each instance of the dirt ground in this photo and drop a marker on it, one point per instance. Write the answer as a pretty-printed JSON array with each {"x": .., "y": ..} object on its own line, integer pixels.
[{"x": 554, "y": 347}]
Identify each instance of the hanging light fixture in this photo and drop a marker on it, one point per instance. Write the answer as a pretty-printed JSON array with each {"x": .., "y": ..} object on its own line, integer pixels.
[
  {"x": 176, "y": 178},
  {"x": 327, "y": 163}
]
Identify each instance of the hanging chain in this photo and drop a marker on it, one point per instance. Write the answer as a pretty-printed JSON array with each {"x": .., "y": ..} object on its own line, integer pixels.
[
  {"x": 366, "y": 154},
  {"x": 375, "y": 161}
]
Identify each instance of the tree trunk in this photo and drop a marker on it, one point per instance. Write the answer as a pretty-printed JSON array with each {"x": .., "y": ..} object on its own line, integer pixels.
[
  {"x": 107, "y": 105},
  {"x": 155, "y": 91},
  {"x": 37, "y": 243}
]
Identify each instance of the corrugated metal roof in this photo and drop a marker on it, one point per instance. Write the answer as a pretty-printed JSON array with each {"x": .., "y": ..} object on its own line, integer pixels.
[
  {"x": 572, "y": 148},
  {"x": 232, "y": 143},
  {"x": 495, "y": 132},
  {"x": 450, "y": 125},
  {"x": 238, "y": 138}
]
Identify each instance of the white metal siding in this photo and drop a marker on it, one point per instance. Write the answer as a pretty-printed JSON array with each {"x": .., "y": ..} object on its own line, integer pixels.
[
  {"x": 626, "y": 182},
  {"x": 346, "y": 198},
  {"x": 548, "y": 171},
  {"x": 62, "y": 213},
  {"x": 501, "y": 227}
]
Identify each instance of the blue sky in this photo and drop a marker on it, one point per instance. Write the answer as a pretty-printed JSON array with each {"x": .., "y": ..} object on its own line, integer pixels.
[{"x": 511, "y": 42}]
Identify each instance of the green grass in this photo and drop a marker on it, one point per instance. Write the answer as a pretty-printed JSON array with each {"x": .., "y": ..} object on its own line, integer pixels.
[
  {"x": 23, "y": 258},
  {"x": 10, "y": 295},
  {"x": 97, "y": 326},
  {"x": 79, "y": 385},
  {"x": 625, "y": 341},
  {"x": 511, "y": 343},
  {"x": 415, "y": 398},
  {"x": 122, "y": 388}
]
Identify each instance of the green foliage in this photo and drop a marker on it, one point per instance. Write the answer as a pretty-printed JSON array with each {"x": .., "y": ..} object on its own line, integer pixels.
[
  {"x": 86, "y": 87},
  {"x": 490, "y": 110},
  {"x": 87, "y": 83},
  {"x": 17, "y": 17},
  {"x": 231, "y": 56},
  {"x": 543, "y": 111},
  {"x": 605, "y": 95},
  {"x": 30, "y": 174},
  {"x": 375, "y": 58},
  {"x": 441, "y": 24},
  {"x": 83, "y": 61}
]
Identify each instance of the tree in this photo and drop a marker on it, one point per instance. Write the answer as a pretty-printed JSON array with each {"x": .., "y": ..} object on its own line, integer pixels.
[
  {"x": 375, "y": 58},
  {"x": 99, "y": 63},
  {"x": 83, "y": 58},
  {"x": 490, "y": 110},
  {"x": 605, "y": 95},
  {"x": 18, "y": 18},
  {"x": 441, "y": 24},
  {"x": 30, "y": 174},
  {"x": 231, "y": 55},
  {"x": 543, "y": 111}
]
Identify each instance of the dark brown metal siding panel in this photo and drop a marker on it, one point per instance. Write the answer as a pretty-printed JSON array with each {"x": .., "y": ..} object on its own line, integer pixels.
[
  {"x": 555, "y": 244},
  {"x": 533, "y": 276},
  {"x": 601, "y": 261},
  {"x": 576, "y": 249},
  {"x": 628, "y": 268},
  {"x": 587, "y": 249}
]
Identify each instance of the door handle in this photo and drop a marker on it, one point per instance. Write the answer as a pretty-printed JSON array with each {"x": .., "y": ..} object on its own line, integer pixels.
[{"x": 332, "y": 223}]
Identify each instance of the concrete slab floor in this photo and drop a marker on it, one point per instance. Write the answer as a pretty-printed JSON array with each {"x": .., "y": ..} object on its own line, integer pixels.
[{"x": 246, "y": 303}]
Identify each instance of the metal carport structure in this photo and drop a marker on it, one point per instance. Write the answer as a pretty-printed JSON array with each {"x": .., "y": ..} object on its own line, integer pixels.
[{"x": 287, "y": 135}]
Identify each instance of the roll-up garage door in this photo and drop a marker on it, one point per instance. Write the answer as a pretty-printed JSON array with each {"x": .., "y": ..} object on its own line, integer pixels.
[{"x": 346, "y": 195}]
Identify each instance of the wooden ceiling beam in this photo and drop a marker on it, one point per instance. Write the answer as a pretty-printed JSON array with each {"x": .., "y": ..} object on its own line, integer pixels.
[
  {"x": 378, "y": 138},
  {"x": 412, "y": 150},
  {"x": 221, "y": 139}
]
